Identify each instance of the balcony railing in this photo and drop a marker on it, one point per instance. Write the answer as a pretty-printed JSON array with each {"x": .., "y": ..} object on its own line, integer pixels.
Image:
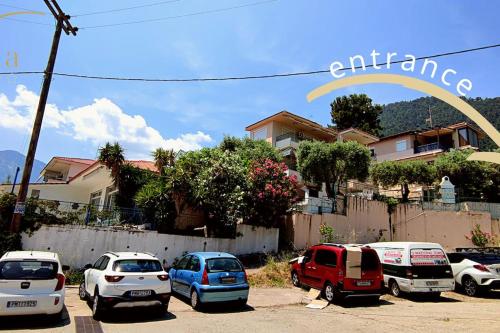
[
  {"x": 430, "y": 147},
  {"x": 287, "y": 140}
]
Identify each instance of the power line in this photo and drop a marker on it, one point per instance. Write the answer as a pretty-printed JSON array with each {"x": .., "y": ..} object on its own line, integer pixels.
[
  {"x": 248, "y": 77},
  {"x": 210, "y": 11},
  {"x": 126, "y": 8},
  {"x": 22, "y": 8}
]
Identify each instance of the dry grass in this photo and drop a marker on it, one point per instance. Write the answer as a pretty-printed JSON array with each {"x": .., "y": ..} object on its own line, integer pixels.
[{"x": 275, "y": 273}]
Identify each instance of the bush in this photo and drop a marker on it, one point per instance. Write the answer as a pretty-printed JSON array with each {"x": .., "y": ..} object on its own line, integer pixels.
[
  {"x": 74, "y": 277},
  {"x": 275, "y": 273}
]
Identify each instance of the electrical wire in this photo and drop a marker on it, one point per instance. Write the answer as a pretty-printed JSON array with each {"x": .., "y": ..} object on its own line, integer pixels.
[
  {"x": 210, "y": 11},
  {"x": 126, "y": 8},
  {"x": 248, "y": 77}
]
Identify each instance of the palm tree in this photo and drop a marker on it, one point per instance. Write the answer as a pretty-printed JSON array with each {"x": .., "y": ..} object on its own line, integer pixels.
[
  {"x": 163, "y": 158},
  {"x": 111, "y": 155}
]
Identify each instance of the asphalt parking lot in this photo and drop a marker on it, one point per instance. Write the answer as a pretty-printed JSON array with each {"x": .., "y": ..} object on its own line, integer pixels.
[{"x": 280, "y": 310}]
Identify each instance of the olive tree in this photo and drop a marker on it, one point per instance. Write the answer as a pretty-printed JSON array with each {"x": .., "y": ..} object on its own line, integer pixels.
[{"x": 332, "y": 163}]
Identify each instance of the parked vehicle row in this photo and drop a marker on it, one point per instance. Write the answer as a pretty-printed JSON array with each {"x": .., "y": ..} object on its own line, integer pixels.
[
  {"x": 342, "y": 270},
  {"x": 32, "y": 282}
]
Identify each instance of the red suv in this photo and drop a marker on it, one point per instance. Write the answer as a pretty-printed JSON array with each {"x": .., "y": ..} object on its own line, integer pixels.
[{"x": 339, "y": 271}]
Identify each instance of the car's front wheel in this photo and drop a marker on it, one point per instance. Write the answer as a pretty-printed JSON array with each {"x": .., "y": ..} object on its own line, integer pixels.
[
  {"x": 195, "y": 300},
  {"x": 82, "y": 292},
  {"x": 295, "y": 279},
  {"x": 470, "y": 286}
]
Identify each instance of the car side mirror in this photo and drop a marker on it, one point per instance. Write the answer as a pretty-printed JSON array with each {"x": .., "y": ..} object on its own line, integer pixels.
[
  {"x": 65, "y": 268},
  {"x": 88, "y": 266}
]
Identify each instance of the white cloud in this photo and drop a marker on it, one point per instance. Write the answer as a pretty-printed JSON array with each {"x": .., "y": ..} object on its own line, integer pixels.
[{"x": 97, "y": 123}]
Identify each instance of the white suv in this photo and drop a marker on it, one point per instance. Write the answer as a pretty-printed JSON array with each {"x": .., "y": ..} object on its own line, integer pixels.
[
  {"x": 126, "y": 279},
  {"x": 476, "y": 270},
  {"x": 31, "y": 282}
]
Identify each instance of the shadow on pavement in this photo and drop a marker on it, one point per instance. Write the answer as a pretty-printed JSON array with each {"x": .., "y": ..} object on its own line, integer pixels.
[
  {"x": 363, "y": 302},
  {"x": 426, "y": 298},
  {"x": 136, "y": 315},
  {"x": 219, "y": 307},
  {"x": 34, "y": 322}
]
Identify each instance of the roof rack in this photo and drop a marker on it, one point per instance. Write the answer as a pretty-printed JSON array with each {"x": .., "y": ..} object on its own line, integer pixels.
[
  {"x": 112, "y": 253},
  {"x": 331, "y": 244},
  {"x": 149, "y": 253}
]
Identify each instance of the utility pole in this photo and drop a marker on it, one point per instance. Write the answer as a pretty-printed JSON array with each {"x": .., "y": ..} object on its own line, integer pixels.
[{"x": 62, "y": 24}]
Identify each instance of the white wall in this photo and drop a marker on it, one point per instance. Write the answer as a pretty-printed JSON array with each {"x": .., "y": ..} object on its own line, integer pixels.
[{"x": 80, "y": 245}]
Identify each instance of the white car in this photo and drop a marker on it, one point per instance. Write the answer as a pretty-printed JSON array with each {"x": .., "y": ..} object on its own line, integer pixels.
[
  {"x": 475, "y": 271},
  {"x": 126, "y": 279},
  {"x": 31, "y": 282}
]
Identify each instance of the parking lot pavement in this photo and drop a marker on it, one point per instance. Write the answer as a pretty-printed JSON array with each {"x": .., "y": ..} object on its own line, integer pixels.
[{"x": 277, "y": 310}]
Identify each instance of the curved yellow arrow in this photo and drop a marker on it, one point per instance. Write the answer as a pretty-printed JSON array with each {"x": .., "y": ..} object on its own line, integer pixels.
[
  {"x": 20, "y": 13},
  {"x": 427, "y": 88}
]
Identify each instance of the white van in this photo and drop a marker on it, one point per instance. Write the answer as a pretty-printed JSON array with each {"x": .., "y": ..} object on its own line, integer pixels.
[{"x": 415, "y": 267}]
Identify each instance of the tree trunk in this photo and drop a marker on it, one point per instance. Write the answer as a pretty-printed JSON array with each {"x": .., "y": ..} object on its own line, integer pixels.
[{"x": 405, "y": 192}]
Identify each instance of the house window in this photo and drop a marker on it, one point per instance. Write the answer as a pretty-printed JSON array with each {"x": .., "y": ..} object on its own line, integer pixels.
[
  {"x": 401, "y": 145},
  {"x": 35, "y": 194},
  {"x": 95, "y": 198},
  {"x": 260, "y": 134},
  {"x": 372, "y": 152},
  {"x": 467, "y": 137},
  {"x": 109, "y": 201}
]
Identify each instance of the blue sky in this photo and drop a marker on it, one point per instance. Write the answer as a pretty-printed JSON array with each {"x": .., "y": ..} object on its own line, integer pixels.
[{"x": 276, "y": 37}]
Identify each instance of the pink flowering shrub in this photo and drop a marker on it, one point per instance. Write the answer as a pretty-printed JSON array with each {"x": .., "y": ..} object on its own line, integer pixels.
[{"x": 272, "y": 193}]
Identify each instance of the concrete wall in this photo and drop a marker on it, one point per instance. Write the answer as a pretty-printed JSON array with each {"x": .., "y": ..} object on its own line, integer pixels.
[
  {"x": 368, "y": 221},
  {"x": 447, "y": 228},
  {"x": 365, "y": 221},
  {"x": 80, "y": 245}
]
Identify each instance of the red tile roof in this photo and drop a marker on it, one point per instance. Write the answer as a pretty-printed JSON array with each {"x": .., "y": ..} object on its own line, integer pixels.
[
  {"x": 75, "y": 160},
  {"x": 145, "y": 165}
]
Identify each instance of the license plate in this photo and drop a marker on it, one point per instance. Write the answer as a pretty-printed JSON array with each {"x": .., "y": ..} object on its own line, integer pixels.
[
  {"x": 21, "y": 304},
  {"x": 228, "y": 280},
  {"x": 363, "y": 283},
  {"x": 432, "y": 283},
  {"x": 140, "y": 293}
]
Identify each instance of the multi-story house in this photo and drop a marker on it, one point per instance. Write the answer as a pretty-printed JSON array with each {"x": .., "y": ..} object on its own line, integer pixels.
[{"x": 427, "y": 144}]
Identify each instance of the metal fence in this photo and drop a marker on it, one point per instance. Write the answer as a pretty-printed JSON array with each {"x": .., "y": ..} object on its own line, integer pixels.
[
  {"x": 64, "y": 212},
  {"x": 323, "y": 206},
  {"x": 474, "y": 206}
]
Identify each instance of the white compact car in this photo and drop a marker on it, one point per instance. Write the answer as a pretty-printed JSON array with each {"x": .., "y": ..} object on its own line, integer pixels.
[
  {"x": 475, "y": 271},
  {"x": 126, "y": 279},
  {"x": 31, "y": 282}
]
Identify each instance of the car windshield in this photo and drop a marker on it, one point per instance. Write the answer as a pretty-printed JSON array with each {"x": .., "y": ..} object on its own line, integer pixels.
[
  {"x": 223, "y": 265},
  {"x": 137, "y": 265},
  {"x": 28, "y": 269}
]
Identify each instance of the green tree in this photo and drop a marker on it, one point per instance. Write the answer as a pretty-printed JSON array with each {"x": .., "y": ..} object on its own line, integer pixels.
[
  {"x": 472, "y": 179},
  {"x": 404, "y": 174},
  {"x": 332, "y": 163},
  {"x": 111, "y": 155},
  {"x": 356, "y": 111},
  {"x": 157, "y": 204},
  {"x": 219, "y": 189},
  {"x": 163, "y": 158},
  {"x": 250, "y": 150}
]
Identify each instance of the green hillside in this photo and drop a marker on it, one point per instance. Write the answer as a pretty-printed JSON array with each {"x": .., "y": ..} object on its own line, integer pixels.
[{"x": 408, "y": 115}]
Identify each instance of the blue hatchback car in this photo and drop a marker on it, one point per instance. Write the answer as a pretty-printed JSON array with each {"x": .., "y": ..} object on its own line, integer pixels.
[{"x": 207, "y": 277}]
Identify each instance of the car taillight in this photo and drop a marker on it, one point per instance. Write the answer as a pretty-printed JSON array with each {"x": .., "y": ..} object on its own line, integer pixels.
[
  {"x": 409, "y": 273},
  {"x": 341, "y": 273},
  {"x": 204, "y": 277},
  {"x": 60, "y": 282},
  {"x": 245, "y": 275},
  {"x": 482, "y": 268},
  {"x": 113, "y": 278},
  {"x": 163, "y": 277}
]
